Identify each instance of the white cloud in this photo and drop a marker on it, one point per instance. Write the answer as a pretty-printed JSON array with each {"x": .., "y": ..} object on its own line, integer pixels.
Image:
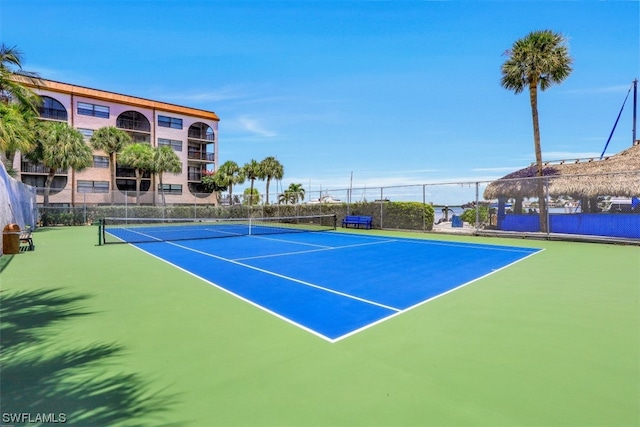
[
  {"x": 224, "y": 93},
  {"x": 255, "y": 126}
]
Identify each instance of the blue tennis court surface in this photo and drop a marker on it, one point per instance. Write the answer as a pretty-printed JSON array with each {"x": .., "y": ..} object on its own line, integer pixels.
[{"x": 335, "y": 284}]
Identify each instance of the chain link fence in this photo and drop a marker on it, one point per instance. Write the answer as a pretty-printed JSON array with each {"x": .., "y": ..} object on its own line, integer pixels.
[{"x": 604, "y": 206}]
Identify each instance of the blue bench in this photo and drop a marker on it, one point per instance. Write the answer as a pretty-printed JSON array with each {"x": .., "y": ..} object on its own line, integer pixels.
[{"x": 357, "y": 221}]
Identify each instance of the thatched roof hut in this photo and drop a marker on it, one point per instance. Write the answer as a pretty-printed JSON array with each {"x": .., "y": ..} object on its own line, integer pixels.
[{"x": 616, "y": 175}]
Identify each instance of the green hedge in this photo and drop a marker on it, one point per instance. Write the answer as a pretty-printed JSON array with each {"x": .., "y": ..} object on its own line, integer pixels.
[{"x": 394, "y": 215}]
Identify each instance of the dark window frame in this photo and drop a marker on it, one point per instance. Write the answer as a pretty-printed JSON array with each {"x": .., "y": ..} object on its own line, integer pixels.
[
  {"x": 94, "y": 110},
  {"x": 169, "y": 122}
]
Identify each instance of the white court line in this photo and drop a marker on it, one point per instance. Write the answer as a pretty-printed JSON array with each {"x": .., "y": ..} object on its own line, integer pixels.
[
  {"x": 240, "y": 297},
  {"x": 370, "y": 325},
  {"x": 302, "y": 282},
  {"x": 322, "y": 248},
  {"x": 396, "y": 311}
]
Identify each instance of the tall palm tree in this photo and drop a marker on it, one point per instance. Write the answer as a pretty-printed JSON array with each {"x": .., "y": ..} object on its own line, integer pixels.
[
  {"x": 17, "y": 132},
  {"x": 19, "y": 106},
  {"x": 229, "y": 174},
  {"x": 12, "y": 77},
  {"x": 165, "y": 160},
  {"x": 272, "y": 169},
  {"x": 252, "y": 171},
  {"x": 60, "y": 146},
  {"x": 138, "y": 156},
  {"x": 539, "y": 59},
  {"x": 111, "y": 140}
]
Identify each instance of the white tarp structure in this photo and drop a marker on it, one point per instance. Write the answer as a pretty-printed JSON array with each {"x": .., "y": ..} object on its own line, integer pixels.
[{"x": 17, "y": 202}]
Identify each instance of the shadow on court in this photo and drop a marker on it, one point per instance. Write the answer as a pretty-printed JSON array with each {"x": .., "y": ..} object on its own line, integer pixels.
[{"x": 38, "y": 377}]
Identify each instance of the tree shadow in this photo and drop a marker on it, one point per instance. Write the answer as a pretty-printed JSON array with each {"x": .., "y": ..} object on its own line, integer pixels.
[
  {"x": 78, "y": 382},
  {"x": 4, "y": 261}
]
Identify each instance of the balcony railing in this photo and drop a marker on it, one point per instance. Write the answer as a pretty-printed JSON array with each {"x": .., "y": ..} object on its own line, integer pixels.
[
  {"x": 199, "y": 155},
  {"x": 53, "y": 114},
  {"x": 27, "y": 167},
  {"x": 124, "y": 172},
  {"x": 194, "y": 176},
  {"x": 130, "y": 124},
  {"x": 197, "y": 134}
]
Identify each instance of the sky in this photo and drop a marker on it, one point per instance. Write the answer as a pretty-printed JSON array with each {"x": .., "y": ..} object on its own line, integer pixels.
[{"x": 350, "y": 93}]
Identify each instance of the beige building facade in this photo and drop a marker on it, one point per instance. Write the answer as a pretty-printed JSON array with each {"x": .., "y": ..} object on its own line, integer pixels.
[{"x": 192, "y": 134}]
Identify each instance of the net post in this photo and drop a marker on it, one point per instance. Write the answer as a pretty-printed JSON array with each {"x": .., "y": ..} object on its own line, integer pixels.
[
  {"x": 335, "y": 221},
  {"x": 100, "y": 230}
]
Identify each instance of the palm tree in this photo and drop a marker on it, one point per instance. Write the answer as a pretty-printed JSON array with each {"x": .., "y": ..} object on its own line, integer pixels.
[
  {"x": 252, "y": 171},
  {"x": 111, "y": 140},
  {"x": 138, "y": 156},
  {"x": 295, "y": 192},
  {"x": 272, "y": 169},
  {"x": 17, "y": 132},
  {"x": 539, "y": 59},
  {"x": 165, "y": 160},
  {"x": 18, "y": 106},
  {"x": 11, "y": 88},
  {"x": 228, "y": 175},
  {"x": 59, "y": 146}
]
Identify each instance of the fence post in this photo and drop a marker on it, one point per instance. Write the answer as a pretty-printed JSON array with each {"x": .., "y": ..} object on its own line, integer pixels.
[
  {"x": 381, "y": 205},
  {"x": 424, "y": 209},
  {"x": 477, "y": 206},
  {"x": 546, "y": 184}
]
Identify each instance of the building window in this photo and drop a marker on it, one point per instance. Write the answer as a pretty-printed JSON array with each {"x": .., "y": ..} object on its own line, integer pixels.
[
  {"x": 52, "y": 109},
  {"x": 93, "y": 186},
  {"x": 87, "y": 109},
  {"x": 169, "y": 122},
  {"x": 100, "y": 162},
  {"x": 87, "y": 133},
  {"x": 173, "y": 143},
  {"x": 170, "y": 188}
]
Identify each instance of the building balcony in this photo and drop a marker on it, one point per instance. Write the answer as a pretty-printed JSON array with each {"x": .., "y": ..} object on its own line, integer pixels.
[
  {"x": 28, "y": 167},
  {"x": 201, "y": 155},
  {"x": 194, "y": 176},
  {"x": 125, "y": 172},
  {"x": 133, "y": 124},
  {"x": 200, "y": 135},
  {"x": 53, "y": 114}
]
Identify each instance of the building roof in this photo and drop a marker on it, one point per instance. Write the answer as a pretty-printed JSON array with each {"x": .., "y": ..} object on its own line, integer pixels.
[
  {"x": 616, "y": 175},
  {"x": 87, "y": 92}
]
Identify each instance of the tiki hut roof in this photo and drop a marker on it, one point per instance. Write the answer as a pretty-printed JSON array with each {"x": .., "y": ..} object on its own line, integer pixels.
[{"x": 616, "y": 175}]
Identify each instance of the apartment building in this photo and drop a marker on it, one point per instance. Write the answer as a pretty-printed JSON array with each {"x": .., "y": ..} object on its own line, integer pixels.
[{"x": 192, "y": 133}]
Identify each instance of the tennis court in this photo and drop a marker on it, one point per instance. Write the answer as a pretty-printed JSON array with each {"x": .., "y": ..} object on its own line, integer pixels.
[
  {"x": 331, "y": 284},
  {"x": 109, "y": 335}
]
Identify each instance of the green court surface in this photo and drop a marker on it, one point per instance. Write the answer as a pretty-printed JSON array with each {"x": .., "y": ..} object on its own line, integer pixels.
[{"x": 112, "y": 336}]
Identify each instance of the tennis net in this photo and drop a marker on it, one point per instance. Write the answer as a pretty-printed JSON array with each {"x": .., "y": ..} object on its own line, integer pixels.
[{"x": 142, "y": 230}]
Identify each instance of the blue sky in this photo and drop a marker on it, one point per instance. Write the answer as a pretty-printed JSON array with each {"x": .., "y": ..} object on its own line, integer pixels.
[{"x": 395, "y": 92}]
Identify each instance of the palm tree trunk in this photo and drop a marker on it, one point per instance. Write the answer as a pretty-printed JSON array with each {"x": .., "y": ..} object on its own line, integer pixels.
[
  {"x": 47, "y": 185},
  {"x": 138, "y": 181},
  {"x": 268, "y": 182},
  {"x": 533, "y": 95},
  {"x": 112, "y": 171},
  {"x": 161, "y": 189}
]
